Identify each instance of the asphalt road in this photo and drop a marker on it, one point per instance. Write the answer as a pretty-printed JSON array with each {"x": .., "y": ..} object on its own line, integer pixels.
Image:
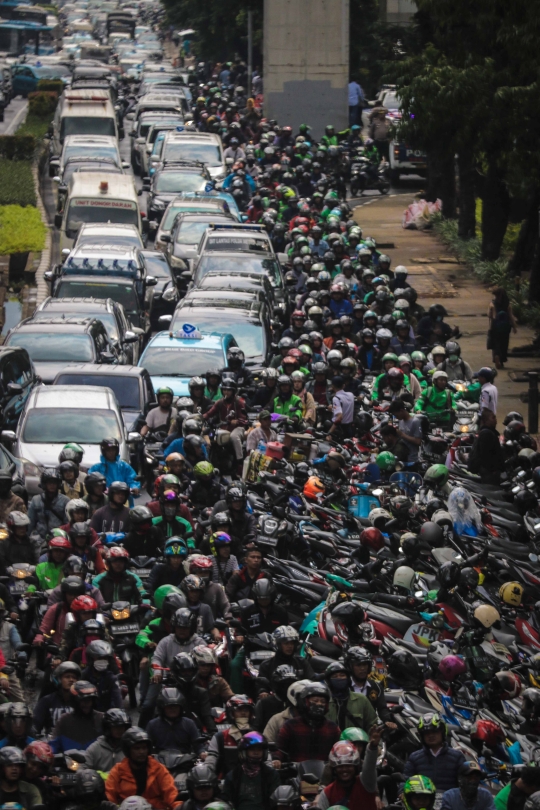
[{"x": 14, "y": 115}]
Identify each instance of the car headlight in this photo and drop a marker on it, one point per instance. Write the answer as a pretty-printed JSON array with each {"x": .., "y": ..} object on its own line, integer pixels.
[{"x": 29, "y": 468}]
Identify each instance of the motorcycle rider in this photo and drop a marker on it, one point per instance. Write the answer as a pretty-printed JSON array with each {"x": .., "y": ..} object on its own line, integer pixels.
[
  {"x": 170, "y": 523},
  {"x": 202, "y": 786},
  {"x": 359, "y": 662},
  {"x": 114, "y": 515},
  {"x": 217, "y": 687},
  {"x": 286, "y": 642},
  {"x": 213, "y": 595},
  {"x": 106, "y": 752},
  {"x": 241, "y": 583},
  {"x": 39, "y": 760},
  {"x": 454, "y": 365},
  {"x": 437, "y": 401},
  {"x": 487, "y": 458},
  {"x": 81, "y": 727},
  {"x": 469, "y": 793},
  {"x": 81, "y": 536},
  {"x": 358, "y": 790},
  {"x": 206, "y": 490},
  {"x": 47, "y": 510},
  {"x": 160, "y": 418},
  {"x": 231, "y": 412},
  {"x": 515, "y": 794},
  {"x": 114, "y": 469},
  {"x": 263, "y": 616},
  {"x": 95, "y": 484},
  {"x": 347, "y": 707},
  {"x": 435, "y": 760},
  {"x": 118, "y": 584},
  {"x": 17, "y": 723},
  {"x": 139, "y": 774},
  {"x": 18, "y": 547},
  {"x": 243, "y": 525},
  {"x": 74, "y": 567},
  {"x": 14, "y": 790},
  {"x": 10, "y": 643},
  {"x": 102, "y": 671},
  {"x": 172, "y": 729},
  {"x": 192, "y": 587},
  {"x": 286, "y": 402},
  {"x": 310, "y": 735},
  {"x": 224, "y": 563},
  {"x": 50, "y": 572},
  {"x": 142, "y": 539},
  {"x": 249, "y": 784},
  {"x": 171, "y": 481},
  {"x": 71, "y": 486},
  {"x": 223, "y": 747},
  {"x": 50, "y": 708},
  {"x": 171, "y": 572},
  {"x": 236, "y": 367},
  {"x": 9, "y": 501}
]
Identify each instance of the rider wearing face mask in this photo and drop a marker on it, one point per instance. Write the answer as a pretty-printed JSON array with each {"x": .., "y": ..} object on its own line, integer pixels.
[
  {"x": 102, "y": 671},
  {"x": 347, "y": 708},
  {"x": 223, "y": 747},
  {"x": 469, "y": 795},
  {"x": 310, "y": 735}
]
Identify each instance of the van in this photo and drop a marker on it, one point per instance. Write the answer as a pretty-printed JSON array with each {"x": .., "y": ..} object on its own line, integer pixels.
[
  {"x": 185, "y": 144},
  {"x": 83, "y": 112},
  {"x": 97, "y": 197}
]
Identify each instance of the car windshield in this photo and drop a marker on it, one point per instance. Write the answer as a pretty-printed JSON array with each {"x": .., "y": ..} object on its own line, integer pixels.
[
  {"x": 170, "y": 213},
  {"x": 181, "y": 361},
  {"x": 190, "y": 233},
  {"x": 157, "y": 265},
  {"x": 82, "y": 166},
  {"x": 222, "y": 241},
  {"x": 126, "y": 389},
  {"x": 206, "y": 152},
  {"x": 246, "y": 264},
  {"x": 91, "y": 150},
  {"x": 119, "y": 212},
  {"x": 82, "y": 125},
  {"x": 124, "y": 240},
  {"x": 107, "y": 319},
  {"x": 249, "y": 336},
  {"x": 52, "y": 347},
  {"x": 121, "y": 293},
  {"x": 52, "y": 426},
  {"x": 176, "y": 182}
]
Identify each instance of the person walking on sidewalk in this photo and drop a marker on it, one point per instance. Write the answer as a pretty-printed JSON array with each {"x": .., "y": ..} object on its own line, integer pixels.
[{"x": 501, "y": 323}]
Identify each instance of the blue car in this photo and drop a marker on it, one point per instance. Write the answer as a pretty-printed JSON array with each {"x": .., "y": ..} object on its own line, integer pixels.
[
  {"x": 25, "y": 78},
  {"x": 172, "y": 358}
]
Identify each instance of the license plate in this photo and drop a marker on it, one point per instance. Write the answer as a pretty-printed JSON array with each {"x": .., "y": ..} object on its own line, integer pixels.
[
  {"x": 125, "y": 627},
  {"x": 142, "y": 572},
  {"x": 261, "y": 655},
  {"x": 18, "y": 587}
]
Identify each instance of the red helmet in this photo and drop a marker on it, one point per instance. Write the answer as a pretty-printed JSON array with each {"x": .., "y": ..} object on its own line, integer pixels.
[
  {"x": 39, "y": 752},
  {"x": 372, "y": 538},
  {"x": 296, "y": 353},
  {"x": 59, "y": 542},
  {"x": 395, "y": 374},
  {"x": 488, "y": 732},
  {"x": 201, "y": 564},
  {"x": 83, "y": 603},
  {"x": 117, "y": 552},
  {"x": 507, "y": 685},
  {"x": 298, "y": 313}
]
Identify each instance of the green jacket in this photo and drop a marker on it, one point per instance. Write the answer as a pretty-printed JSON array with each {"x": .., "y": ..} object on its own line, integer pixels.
[
  {"x": 181, "y": 527},
  {"x": 154, "y": 631},
  {"x": 376, "y": 393},
  {"x": 291, "y": 407},
  {"x": 472, "y": 394},
  {"x": 359, "y": 712},
  {"x": 500, "y": 799},
  {"x": 420, "y": 377},
  {"x": 49, "y": 575},
  {"x": 433, "y": 401}
]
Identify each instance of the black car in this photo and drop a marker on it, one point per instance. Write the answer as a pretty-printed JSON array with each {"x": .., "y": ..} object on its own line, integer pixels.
[
  {"x": 125, "y": 338},
  {"x": 55, "y": 343},
  {"x": 166, "y": 291},
  {"x": 170, "y": 180},
  {"x": 17, "y": 378}
]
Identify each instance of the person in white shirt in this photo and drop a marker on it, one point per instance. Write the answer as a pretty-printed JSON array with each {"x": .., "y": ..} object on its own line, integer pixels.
[{"x": 489, "y": 395}]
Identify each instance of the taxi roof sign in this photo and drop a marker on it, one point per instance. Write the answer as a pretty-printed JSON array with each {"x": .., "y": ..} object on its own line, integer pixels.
[{"x": 188, "y": 332}]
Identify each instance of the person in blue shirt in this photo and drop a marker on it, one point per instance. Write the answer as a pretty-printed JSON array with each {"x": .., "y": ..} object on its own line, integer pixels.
[
  {"x": 318, "y": 245},
  {"x": 246, "y": 177},
  {"x": 339, "y": 305},
  {"x": 356, "y": 102},
  {"x": 469, "y": 795},
  {"x": 114, "y": 469}
]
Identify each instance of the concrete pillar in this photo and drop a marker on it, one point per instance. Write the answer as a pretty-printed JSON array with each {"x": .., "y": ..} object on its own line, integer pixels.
[{"x": 306, "y": 62}]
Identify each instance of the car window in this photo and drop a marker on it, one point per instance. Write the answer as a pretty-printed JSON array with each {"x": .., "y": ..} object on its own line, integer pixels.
[
  {"x": 207, "y": 153},
  {"x": 82, "y": 125},
  {"x": 50, "y": 426},
  {"x": 190, "y": 233},
  {"x": 221, "y": 242},
  {"x": 119, "y": 212},
  {"x": 126, "y": 389},
  {"x": 121, "y": 293},
  {"x": 180, "y": 361},
  {"x": 247, "y": 264},
  {"x": 107, "y": 319},
  {"x": 177, "y": 182},
  {"x": 5, "y": 461},
  {"x": 171, "y": 213},
  {"x": 157, "y": 266},
  {"x": 53, "y": 347},
  {"x": 92, "y": 150}
]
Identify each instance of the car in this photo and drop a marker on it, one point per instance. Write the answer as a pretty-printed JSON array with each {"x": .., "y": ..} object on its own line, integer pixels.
[
  {"x": 17, "y": 378},
  {"x": 92, "y": 146},
  {"x": 107, "y": 271},
  {"x": 52, "y": 344},
  {"x": 172, "y": 359},
  {"x": 139, "y": 133},
  {"x": 182, "y": 245},
  {"x": 80, "y": 164},
  {"x": 57, "y": 414},
  {"x": 162, "y": 102},
  {"x": 185, "y": 144},
  {"x": 171, "y": 180},
  {"x": 250, "y": 239},
  {"x": 242, "y": 315},
  {"x": 124, "y": 337},
  {"x": 167, "y": 290},
  {"x": 186, "y": 203},
  {"x": 132, "y": 388},
  {"x": 240, "y": 282},
  {"x": 25, "y": 77},
  {"x": 156, "y": 130},
  {"x": 108, "y": 233}
]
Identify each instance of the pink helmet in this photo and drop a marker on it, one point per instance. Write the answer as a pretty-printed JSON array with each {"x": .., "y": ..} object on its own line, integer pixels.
[{"x": 451, "y": 666}]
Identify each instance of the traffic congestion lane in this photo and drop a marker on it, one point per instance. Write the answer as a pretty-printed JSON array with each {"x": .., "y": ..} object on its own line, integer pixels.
[{"x": 14, "y": 115}]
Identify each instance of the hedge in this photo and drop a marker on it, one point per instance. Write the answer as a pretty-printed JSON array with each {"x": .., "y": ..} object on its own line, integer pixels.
[
  {"x": 16, "y": 182},
  {"x": 42, "y": 103},
  {"x": 55, "y": 85},
  {"x": 21, "y": 230},
  {"x": 17, "y": 147}
]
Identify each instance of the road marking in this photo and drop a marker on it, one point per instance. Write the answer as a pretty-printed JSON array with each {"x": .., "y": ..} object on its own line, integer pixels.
[{"x": 16, "y": 119}]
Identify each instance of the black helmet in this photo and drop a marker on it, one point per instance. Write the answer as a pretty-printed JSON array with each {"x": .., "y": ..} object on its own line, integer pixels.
[
  {"x": 49, "y": 475},
  {"x": 173, "y": 602},
  {"x": 170, "y": 696},
  {"x": 512, "y": 416},
  {"x": 312, "y": 690},
  {"x": 525, "y": 501},
  {"x": 282, "y": 677},
  {"x": 83, "y": 690},
  {"x": 449, "y": 574},
  {"x": 74, "y": 565},
  {"x": 81, "y": 529},
  {"x": 289, "y": 796},
  {"x": 68, "y": 466},
  {"x": 99, "y": 649},
  {"x": 469, "y": 577},
  {"x": 357, "y": 655},
  {"x": 140, "y": 515},
  {"x": 434, "y": 505},
  {"x": 410, "y": 545},
  {"x": 363, "y": 421},
  {"x": 432, "y": 534},
  {"x": 119, "y": 487},
  {"x": 234, "y": 494},
  {"x": 10, "y": 755},
  {"x": 514, "y": 430},
  {"x": 349, "y": 614},
  {"x": 201, "y": 776},
  {"x": 107, "y": 444},
  {"x": 93, "y": 480},
  {"x": 404, "y": 668},
  {"x": 184, "y": 668},
  {"x": 220, "y": 519},
  {"x": 184, "y": 617},
  {"x": 133, "y": 736},
  {"x": 263, "y": 589},
  {"x": 73, "y": 585},
  {"x": 335, "y": 668},
  {"x": 115, "y": 718},
  {"x": 89, "y": 783},
  {"x": 61, "y": 669},
  {"x": 194, "y": 442},
  {"x": 236, "y": 355}
]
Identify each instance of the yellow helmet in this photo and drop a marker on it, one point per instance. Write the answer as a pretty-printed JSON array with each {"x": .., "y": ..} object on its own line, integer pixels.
[
  {"x": 511, "y": 593},
  {"x": 486, "y": 615}
]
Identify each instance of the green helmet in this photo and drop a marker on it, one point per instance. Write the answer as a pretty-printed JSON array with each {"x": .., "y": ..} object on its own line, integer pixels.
[
  {"x": 354, "y": 735},
  {"x": 73, "y": 446},
  {"x": 436, "y": 476},
  {"x": 165, "y": 390},
  {"x": 370, "y": 314},
  {"x": 390, "y": 356},
  {"x": 305, "y": 349},
  {"x": 170, "y": 480},
  {"x": 419, "y": 356},
  {"x": 398, "y": 315},
  {"x": 386, "y": 461},
  {"x": 60, "y": 533},
  {"x": 421, "y": 786},
  {"x": 203, "y": 469},
  {"x": 162, "y": 592}
]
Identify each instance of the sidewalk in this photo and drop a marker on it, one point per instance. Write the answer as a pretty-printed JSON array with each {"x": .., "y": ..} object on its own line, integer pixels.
[{"x": 438, "y": 278}]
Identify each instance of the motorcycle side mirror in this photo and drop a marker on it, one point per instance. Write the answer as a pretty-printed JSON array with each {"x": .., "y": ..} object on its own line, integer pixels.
[
  {"x": 533, "y": 558},
  {"x": 76, "y": 755},
  {"x": 220, "y": 624}
]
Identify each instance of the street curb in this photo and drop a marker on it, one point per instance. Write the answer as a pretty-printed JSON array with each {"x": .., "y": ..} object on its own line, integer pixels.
[{"x": 44, "y": 263}]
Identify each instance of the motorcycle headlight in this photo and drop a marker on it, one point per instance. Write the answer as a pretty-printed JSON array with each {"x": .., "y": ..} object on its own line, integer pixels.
[
  {"x": 464, "y": 429},
  {"x": 120, "y": 614}
]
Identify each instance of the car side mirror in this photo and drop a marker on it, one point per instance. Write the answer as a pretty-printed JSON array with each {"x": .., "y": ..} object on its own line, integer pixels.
[
  {"x": 166, "y": 238},
  {"x": 107, "y": 357},
  {"x": 48, "y": 275},
  {"x": 58, "y": 220},
  {"x": 65, "y": 253},
  {"x": 130, "y": 337},
  {"x": 8, "y": 436},
  {"x": 14, "y": 389},
  {"x": 151, "y": 281},
  {"x": 164, "y": 321},
  {"x": 56, "y": 179},
  {"x": 134, "y": 438}
]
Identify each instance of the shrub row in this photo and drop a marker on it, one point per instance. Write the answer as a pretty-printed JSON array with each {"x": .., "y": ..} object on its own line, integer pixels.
[{"x": 21, "y": 229}]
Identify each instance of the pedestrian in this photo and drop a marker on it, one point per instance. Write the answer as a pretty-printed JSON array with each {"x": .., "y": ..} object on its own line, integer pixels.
[
  {"x": 489, "y": 396},
  {"x": 378, "y": 131},
  {"x": 501, "y": 323},
  {"x": 342, "y": 409},
  {"x": 486, "y": 458},
  {"x": 356, "y": 103}
]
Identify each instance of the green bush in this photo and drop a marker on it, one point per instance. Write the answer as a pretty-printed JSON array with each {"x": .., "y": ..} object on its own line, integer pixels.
[
  {"x": 42, "y": 103},
  {"x": 36, "y": 126},
  {"x": 16, "y": 182},
  {"x": 54, "y": 85},
  {"x": 21, "y": 230},
  {"x": 17, "y": 147}
]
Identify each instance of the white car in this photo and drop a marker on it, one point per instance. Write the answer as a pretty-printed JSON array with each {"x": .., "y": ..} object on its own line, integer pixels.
[{"x": 56, "y": 415}]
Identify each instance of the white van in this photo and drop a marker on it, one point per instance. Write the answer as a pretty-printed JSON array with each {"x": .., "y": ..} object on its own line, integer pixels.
[
  {"x": 98, "y": 197},
  {"x": 83, "y": 112}
]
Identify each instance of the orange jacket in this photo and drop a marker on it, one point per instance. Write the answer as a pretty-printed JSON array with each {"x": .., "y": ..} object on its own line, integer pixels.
[{"x": 161, "y": 792}]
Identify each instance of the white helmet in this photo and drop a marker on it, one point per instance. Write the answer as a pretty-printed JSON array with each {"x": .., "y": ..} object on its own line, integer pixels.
[
  {"x": 74, "y": 505},
  {"x": 440, "y": 375},
  {"x": 401, "y": 270},
  {"x": 404, "y": 577},
  {"x": 294, "y": 690},
  {"x": 203, "y": 655},
  {"x": 379, "y": 517}
]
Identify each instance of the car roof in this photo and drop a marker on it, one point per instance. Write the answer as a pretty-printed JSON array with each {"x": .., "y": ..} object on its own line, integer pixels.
[
  {"x": 110, "y": 229},
  {"x": 209, "y": 340},
  {"x": 88, "y": 140},
  {"x": 115, "y": 250},
  {"x": 197, "y": 294},
  {"x": 223, "y": 280},
  {"x": 96, "y": 280},
  {"x": 78, "y": 396},
  {"x": 102, "y": 368},
  {"x": 241, "y": 309},
  {"x": 88, "y": 183},
  {"x": 181, "y": 166},
  {"x": 65, "y": 304},
  {"x": 68, "y": 325}
]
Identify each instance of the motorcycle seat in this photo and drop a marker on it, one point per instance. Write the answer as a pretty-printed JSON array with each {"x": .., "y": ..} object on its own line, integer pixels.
[
  {"x": 389, "y": 617},
  {"x": 325, "y": 647}
]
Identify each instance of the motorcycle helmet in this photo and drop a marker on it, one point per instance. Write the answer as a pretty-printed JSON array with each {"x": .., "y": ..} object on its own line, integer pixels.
[
  {"x": 469, "y": 578},
  {"x": 285, "y": 796},
  {"x": 363, "y": 421},
  {"x": 133, "y": 736},
  {"x": 175, "y": 547},
  {"x": 61, "y": 669},
  {"x": 192, "y": 583},
  {"x": 170, "y": 696},
  {"x": 404, "y": 578},
  {"x": 183, "y": 667},
  {"x": 344, "y": 753},
  {"x": 141, "y": 517},
  {"x": 451, "y": 667},
  {"x": 99, "y": 649},
  {"x": 525, "y": 501},
  {"x": 386, "y": 461},
  {"x": 17, "y": 520},
  {"x": 511, "y": 593},
  {"x": 531, "y": 703},
  {"x": 10, "y": 755},
  {"x": 93, "y": 480},
  {"x": 436, "y": 476},
  {"x": 71, "y": 452},
  {"x": 419, "y": 786},
  {"x": 306, "y": 708},
  {"x": 404, "y": 669},
  {"x": 115, "y": 718},
  {"x": 184, "y": 617},
  {"x": 350, "y": 614},
  {"x": 239, "y": 702},
  {"x": 512, "y": 416},
  {"x": 83, "y": 604},
  {"x": 118, "y": 488},
  {"x": 313, "y": 487},
  {"x": 372, "y": 538},
  {"x": 487, "y": 732},
  {"x": 379, "y": 517},
  {"x": 39, "y": 751},
  {"x": 506, "y": 685},
  {"x": 410, "y": 545},
  {"x": 432, "y": 721},
  {"x": 203, "y": 656},
  {"x": 358, "y": 655},
  {"x": 253, "y": 739},
  {"x": 201, "y": 776},
  {"x": 485, "y": 615},
  {"x": 83, "y": 690},
  {"x": 264, "y": 589},
  {"x": 432, "y": 534},
  {"x": 284, "y": 633},
  {"x": 514, "y": 430},
  {"x": 172, "y": 602}
]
